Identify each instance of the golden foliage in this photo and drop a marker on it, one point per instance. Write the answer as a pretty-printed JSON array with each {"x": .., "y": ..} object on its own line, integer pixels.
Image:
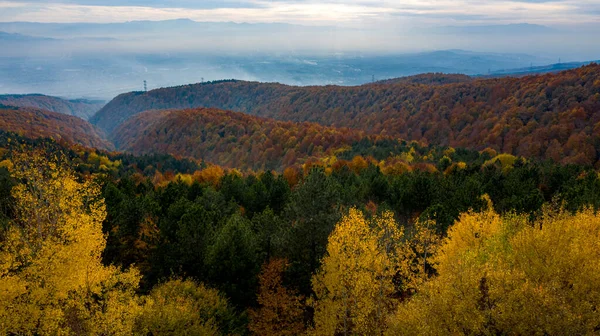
[
  {"x": 509, "y": 276},
  {"x": 418, "y": 255},
  {"x": 358, "y": 164},
  {"x": 211, "y": 175},
  {"x": 6, "y": 164},
  {"x": 506, "y": 161},
  {"x": 355, "y": 281},
  {"x": 52, "y": 280},
  {"x": 181, "y": 307},
  {"x": 395, "y": 167}
]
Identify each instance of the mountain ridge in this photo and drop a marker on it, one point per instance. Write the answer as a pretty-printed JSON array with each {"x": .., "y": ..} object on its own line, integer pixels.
[
  {"x": 82, "y": 108},
  {"x": 522, "y": 116},
  {"x": 37, "y": 123},
  {"x": 230, "y": 139}
]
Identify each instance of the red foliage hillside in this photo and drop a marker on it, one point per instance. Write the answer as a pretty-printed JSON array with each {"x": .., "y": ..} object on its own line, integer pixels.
[
  {"x": 230, "y": 139},
  {"x": 81, "y": 108},
  {"x": 35, "y": 123},
  {"x": 554, "y": 116}
]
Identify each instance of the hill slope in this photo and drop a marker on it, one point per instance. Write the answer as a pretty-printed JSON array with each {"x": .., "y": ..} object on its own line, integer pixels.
[
  {"x": 429, "y": 79},
  {"x": 81, "y": 108},
  {"x": 550, "y": 116},
  {"x": 230, "y": 139},
  {"x": 34, "y": 123}
]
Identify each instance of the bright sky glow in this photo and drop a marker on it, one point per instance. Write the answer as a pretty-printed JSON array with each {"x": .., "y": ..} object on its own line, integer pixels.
[{"x": 310, "y": 12}]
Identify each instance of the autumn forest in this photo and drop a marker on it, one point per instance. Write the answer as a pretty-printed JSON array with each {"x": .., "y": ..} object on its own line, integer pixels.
[{"x": 426, "y": 205}]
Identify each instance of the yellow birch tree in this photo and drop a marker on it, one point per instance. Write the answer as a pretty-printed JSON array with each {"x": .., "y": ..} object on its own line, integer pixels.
[
  {"x": 354, "y": 284},
  {"x": 508, "y": 276},
  {"x": 52, "y": 280}
]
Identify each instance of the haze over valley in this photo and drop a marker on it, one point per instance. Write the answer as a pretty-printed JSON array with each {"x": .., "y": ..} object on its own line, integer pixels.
[{"x": 101, "y": 60}]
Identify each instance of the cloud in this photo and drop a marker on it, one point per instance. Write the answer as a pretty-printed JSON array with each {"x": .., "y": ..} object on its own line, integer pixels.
[
  {"x": 191, "y": 4},
  {"x": 312, "y": 12}
]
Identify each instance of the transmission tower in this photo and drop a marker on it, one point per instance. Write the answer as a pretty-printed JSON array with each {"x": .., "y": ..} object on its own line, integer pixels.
[{"x": 145, "y": 86}]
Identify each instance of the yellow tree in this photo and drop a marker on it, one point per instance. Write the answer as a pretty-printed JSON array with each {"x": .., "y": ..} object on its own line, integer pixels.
[
  {"x": 281, "y": 310},
  {"x": 182, "y": 307},
  {"x": 417, "y": 258},
  {"x": 52, "y": 280},
  {"x": 353, "y": 287},
  {"x": 505, "y": 275}
]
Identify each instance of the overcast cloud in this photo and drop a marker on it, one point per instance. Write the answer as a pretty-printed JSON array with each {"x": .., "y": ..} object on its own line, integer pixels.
[{"x": 359, "y": 13}]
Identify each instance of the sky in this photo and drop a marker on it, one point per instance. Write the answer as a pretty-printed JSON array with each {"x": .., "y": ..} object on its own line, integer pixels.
[
  {"x": 347, "y": 13},
  {"x": 556, "y": 29}
]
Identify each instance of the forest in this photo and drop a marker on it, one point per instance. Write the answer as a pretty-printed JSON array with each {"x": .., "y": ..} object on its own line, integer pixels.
[
  {"x": 429, "y": 205},
  {"x": 386, "y": 237},
  {"x": 548, "y": 116}
]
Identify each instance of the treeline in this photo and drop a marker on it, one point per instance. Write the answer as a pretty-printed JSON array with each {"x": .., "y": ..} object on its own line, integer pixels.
[
  {"x": 339, "y": 246},
  {"x": 436, "y": 78},
  {"x": 551, "y": 116},
  {"x": 114, "y": 165},
  {"x": 35, "y": 123}
]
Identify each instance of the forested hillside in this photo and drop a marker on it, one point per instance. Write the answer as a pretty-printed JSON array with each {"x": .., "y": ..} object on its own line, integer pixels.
[
  {"x": 230, "y": 139},
  {"x": 81, "y": 108},
  {"x": 429, "y": 79},
  {"x": 352, "y": 247},
  {"x": 86, "y": 160},
  {"x": 550, "y": 116},
  {"x": 35, "y": 123}
]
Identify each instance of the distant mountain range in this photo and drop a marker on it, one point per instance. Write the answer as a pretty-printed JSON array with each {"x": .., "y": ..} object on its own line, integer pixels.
[
  {"x": 104, "y": 74},
  {"x": 510, "y": 29},
  {"x": 142, "y": 28},
  {"x": 14, "y": 37},
  {"x": 105, "y": 59},
  {"x": 539, "y": 69}
]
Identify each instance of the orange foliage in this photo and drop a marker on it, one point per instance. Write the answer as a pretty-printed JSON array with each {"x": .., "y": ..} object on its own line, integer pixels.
[
  {"x": 34, "y": 123},
  {"x": 211, "y": 175},
  {"x": 291, "y": 176},
  {"x": 358, "y": 164},
  {"x": 520, "y": 116},
  {"x": 230, "y": 139},
  {"x": 281, "y": 310},
  {"x": 424, "y": 167}
]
